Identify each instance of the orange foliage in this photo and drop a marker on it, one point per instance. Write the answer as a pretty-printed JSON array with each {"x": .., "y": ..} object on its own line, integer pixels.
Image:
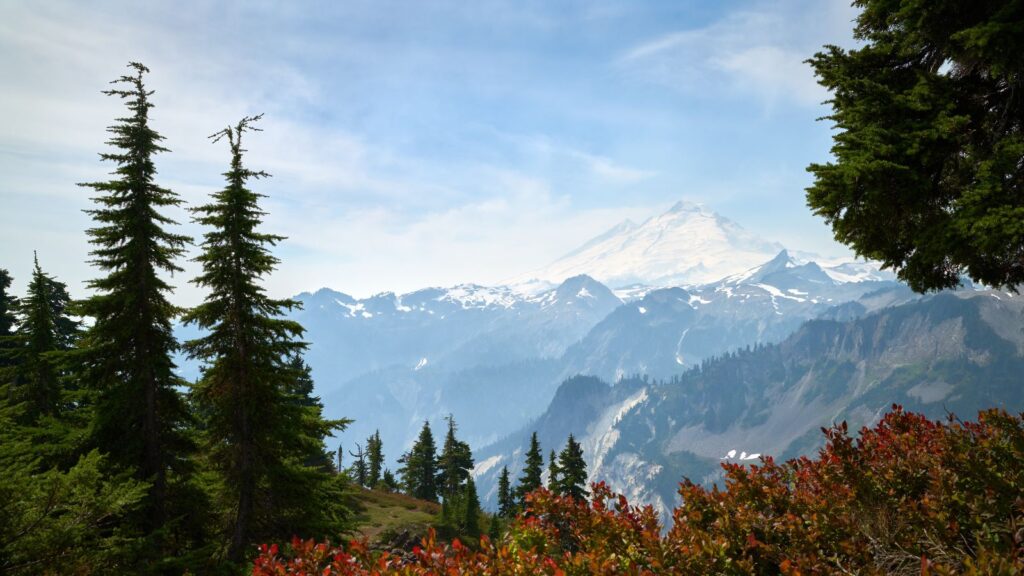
[{"x": 908, "y": 496}]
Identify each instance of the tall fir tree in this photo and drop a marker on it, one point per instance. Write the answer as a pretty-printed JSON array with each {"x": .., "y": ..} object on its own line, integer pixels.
[
  {"x": 552, "y": 472},
  {"x": 532, "y": 471},
  {"x": 37, "y": 350},
  {"x": 260, "y": 428},
  {"x": 572, "y": 471},
  {"x": 419, "y": 467},
  {"x": 455, "y": 462},
  {"x": 140, "y": 415},
  {"x": 374, "y": 459},
  {"x": 470, "y": 520},
  {"x": 506, "y": 499},
  {"x": 315, "y": 450}
]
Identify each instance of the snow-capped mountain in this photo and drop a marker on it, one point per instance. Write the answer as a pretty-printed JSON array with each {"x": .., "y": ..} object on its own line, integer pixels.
[
  {"x": 493, "y": 356},
  {"x": 669, "y": 329},
  {"x": 688, "y": 244}
]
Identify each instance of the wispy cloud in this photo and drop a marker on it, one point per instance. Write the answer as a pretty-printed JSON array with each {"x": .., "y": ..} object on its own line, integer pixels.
[{"x": 758, "y": 52}]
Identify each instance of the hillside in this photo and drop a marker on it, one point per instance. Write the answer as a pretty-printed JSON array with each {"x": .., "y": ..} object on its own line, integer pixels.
[
  {"x": 951, "y": 352},
  {"x": 386, "y": 515}
]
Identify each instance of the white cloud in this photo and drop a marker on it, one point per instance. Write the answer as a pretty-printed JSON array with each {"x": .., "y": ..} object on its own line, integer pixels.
[{"x": 758, "y": 52}]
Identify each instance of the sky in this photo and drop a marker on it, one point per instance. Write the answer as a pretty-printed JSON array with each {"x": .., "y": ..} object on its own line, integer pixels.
[{"x": 418, "y": 144}]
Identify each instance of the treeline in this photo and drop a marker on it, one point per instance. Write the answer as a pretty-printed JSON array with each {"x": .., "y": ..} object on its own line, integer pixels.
[
  {"x": 446, "y": 477},
  {"x": 109, "y": 461}
]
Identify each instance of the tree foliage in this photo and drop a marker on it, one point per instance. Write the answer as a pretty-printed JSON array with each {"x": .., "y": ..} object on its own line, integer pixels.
[
  {"x": 506, "y": 497},
  {"x": 455, "y": 462},
  {"x": 419, "y": 467},
  {"x": 140, "y": 414},
  {"x": 258, "y": 418},
  {"x": 927, "y": 176},
  {"x": 374, "y": 459},
  {"x": 572, "y": 471},
  {"x": 532, "y": 471}
]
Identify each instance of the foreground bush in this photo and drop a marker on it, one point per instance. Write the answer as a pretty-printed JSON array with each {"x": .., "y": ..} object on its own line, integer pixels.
[{"x": 909, "y": 496}]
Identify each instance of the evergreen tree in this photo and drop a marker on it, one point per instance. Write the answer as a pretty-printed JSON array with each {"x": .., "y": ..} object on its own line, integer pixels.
[
  {"x": 317, "y": 454},
  {"x": 388, "y": 481},
  {"x": 374, "y": 459},
  {"x": 8, "y": 306},
  {"x": 140, "y": 415},
  {"x": 44, "y": 330},
  {"x": 926, "y": 175},
  {"x": 573, "y": 471},
  {"x": 552, "y": 472},
  {"x": 470, "y": 510},
  {"x": 419, "y": 470},
  {"x": 494, "y": 528},
  {"x": 506, "y": 500},
  {"x": 455, "y": 462},
  {"x": 262, "y": 425},
  {"x": 359, "y": 472},
  {"x": 532, "y": 471}
]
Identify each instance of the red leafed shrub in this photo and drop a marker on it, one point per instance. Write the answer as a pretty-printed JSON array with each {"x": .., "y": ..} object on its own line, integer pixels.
[{"x": 908, "y": 496}]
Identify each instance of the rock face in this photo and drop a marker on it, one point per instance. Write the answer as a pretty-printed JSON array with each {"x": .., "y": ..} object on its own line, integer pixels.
[{"x": 956, "y": 352}]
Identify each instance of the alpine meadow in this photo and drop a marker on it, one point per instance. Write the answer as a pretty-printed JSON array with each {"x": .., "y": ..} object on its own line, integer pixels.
[{"x": 423, "y": 288}]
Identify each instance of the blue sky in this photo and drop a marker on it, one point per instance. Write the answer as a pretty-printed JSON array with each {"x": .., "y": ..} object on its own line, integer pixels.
[{"x": 423, "y": 143}]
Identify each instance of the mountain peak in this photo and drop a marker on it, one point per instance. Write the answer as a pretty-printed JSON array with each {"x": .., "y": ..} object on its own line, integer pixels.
[
  {"x": 684, "y": 206},
  {"x": 688, "y": 244}
]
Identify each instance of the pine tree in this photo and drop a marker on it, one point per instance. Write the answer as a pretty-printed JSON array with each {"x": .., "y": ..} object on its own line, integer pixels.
[
  {"x": 374, "y": 459},
  {"x": 552, "y": 472},
  {"x": 494, "y": 528},
  {"x": 262, "y": 424},
  {"x": 359, "y": 466},
  {"x": 573, "y": 470},
  {"x": 455, "y": 462},
  {"x": 316, "y": 453},
  {"x": 44, "y": 331},
  {"x": 388, "y": 481},
  {"x": 419, "y": 467},
  {"x": 8, "y": 305},
  {"x": 140, "y": 415},
  {"x": 506, "y": 500},
  {"x": 531, "y": 478},
  {"x": 470, "y": 510}
]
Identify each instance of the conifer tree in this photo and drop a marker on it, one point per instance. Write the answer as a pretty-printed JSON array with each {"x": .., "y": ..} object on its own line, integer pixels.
[
  {"x": 8, "y": 321},
  {"x": 262, "y": 424},
  {"x": 552, "y": 472},
  {"x": 506, "y": 500},
  {"x": 139, "y": 415},
  {"x": 573, "y": 471},
  {"x": 455, "y": 462},
  {"x": 44, "y": 331},
  {"x": 532, "y": 471},
  {"x": 470, "y": 510},
  {"x": 388, "y": 481},
  {"x": 316, "y": 453},
  {"x": 359, "y": 466},
  {"x": 494, "y": 528},
  {"x": 374, "y": 459},
  {"x": 419, "y": 469},
  {"x": 8, "y": 303}
]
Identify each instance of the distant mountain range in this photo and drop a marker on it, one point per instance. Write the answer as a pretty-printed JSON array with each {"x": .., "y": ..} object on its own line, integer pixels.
[
  {"x": 493, "y": 356},
  {"x": 948, "y": 353},
  {"x": 662, "y": 346}
]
